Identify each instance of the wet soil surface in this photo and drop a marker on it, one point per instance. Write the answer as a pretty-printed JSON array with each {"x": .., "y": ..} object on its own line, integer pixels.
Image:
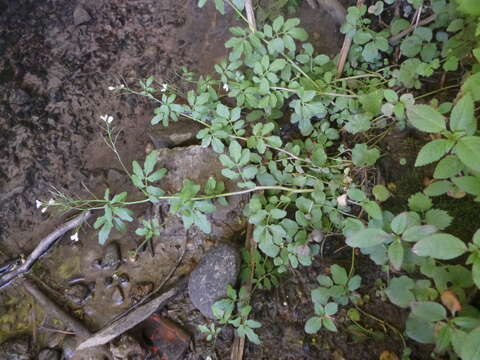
[{"x": 58, "y": 59}]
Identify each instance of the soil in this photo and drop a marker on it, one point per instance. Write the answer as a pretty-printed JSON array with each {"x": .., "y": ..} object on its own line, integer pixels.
[{"x": 58, "y": 59}]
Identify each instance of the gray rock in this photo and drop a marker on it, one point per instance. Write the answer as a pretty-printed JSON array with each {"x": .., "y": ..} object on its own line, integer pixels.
[
  {"x": 193, "y": 162},
  {"x": 177, "y": 133},
  {"x": 117, "y": 296},
  {"x": 207, "y": 283},
  {"x": 16, "y": 348},
  {"x": 80, "y": 16},
  {"x": 48, "y": 354},
  {"x": 111, "y": 260}
]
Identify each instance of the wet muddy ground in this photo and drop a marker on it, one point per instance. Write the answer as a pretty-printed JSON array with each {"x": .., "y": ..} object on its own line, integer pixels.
[{"x": 58, "y": 59}]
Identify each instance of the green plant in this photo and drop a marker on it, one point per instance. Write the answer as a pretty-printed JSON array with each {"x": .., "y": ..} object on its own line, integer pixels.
[
  {"x": 339, "y": 287},
  {"x": 210, "y": 330},
  {"x": 457, "y": 149},
  {"x": 310, "y": 183},
  {"x": 323, "y": 318},
  {"x": 234, "y": 311}
]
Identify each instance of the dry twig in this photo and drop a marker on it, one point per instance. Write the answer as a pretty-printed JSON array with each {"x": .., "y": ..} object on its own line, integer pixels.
[
  {"x": 394, "y": 39},
  {"x": 43, "y": 246},
  {"x": 239, "y": 342},
  {"x": 53, "y": 309},
  {"x": 347, "y": 43},
  {"x": 250, "y": 15}
]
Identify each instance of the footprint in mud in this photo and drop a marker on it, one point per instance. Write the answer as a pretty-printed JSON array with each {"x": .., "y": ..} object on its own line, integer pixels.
[{"x": 79, "y": 293}]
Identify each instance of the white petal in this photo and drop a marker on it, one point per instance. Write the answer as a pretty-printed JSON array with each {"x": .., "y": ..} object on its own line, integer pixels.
[
  {"x": 51, "y": 202},
  {"x": 109, "y": 119},
  {"x": 111, "y": 88},
  {"x": 342, "y": 200},
  {"x": 43, "y": 210},
  {"x": 74, "y": 237},
  {"x": 38, "y": 203}
]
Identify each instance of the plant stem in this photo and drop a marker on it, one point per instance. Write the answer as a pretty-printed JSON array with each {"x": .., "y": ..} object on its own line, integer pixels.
[
  {"x": 203, "y": 197},
  {"x": 437, "y": 91},
  {"x": 384, "y": 323},
  {"x": 318, "y": 92}
]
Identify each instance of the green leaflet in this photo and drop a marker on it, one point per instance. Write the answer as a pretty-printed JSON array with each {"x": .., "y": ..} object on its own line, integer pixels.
[
  {"x": 433, "y": 151},
  {"x": 468, "y": 150},
  {"x": 368, "y": 238},
  {"x": 440, "y": 246},
  {"x": 426, "y": 118}
]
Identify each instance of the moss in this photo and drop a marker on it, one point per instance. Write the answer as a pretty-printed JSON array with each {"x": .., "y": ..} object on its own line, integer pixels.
[
  {"x": 70, "y": 267},
  {"x": 16, "y": 316}
]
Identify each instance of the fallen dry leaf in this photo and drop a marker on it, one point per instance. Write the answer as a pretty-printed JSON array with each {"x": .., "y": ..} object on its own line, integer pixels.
[
  {"x": 451, "y": 302},
  {"x": 388, "y": 355},
  {"x": 456, "y": 193}
]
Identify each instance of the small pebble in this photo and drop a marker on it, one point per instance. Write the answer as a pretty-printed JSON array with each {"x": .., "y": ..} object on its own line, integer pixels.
[
  {"x": 48, "y": 354},
  {"x": 208, "y": 282},
  {"x": 111, "y": 260},
  {"x": 117, "y": 296}
]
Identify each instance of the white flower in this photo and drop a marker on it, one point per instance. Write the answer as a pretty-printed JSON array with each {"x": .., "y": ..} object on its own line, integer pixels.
[
  {"x": 225, "y": 87},
  {"x": 39, "y": 204},
  {"x": 74, "y": 237},
  {"x": 164, "y": 87},
  {"x": 107, "y": 118},
  {"x": 113, "y": 88},
  {"x": 342, "y": 200}
]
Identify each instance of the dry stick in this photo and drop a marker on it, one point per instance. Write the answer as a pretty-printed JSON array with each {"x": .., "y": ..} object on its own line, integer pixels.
[
  {"x": 53, "y": 309},
  {"x": 250, "y": 15},
  {"x": 124, "y": 324},
  {"x": 394, "y": 39},
  {"x": 56, "y": 311},
  {"x": 239, "y": 342},
  {"x": 57, "y": 330},
  {"x": 347, "y": 43},
  {"x": 43, "y": 246}
]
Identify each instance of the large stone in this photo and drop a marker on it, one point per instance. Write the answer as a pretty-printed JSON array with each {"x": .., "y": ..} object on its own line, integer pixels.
[
  {"x": 179, "y": 133},
  {"x": 193, "y": 162},
  {"x": 208, "y": 282}
]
